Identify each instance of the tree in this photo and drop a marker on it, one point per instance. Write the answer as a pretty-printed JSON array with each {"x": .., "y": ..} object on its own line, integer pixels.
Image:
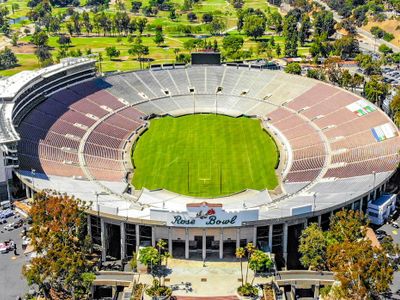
[
  {"x": 254, "y": 25},
  {"x": 172, "y": 15},
  {"x": 250, "y": 248},
  {"x": 136, "y": 5},
  {"x": 86, "y": 22},
  {"x": 276, "y": 22},
  {"x": 375, "y": 90},
  {"x": 246, "y": 288},
  {"x": 305, "y": 28},
  {"x": 237, "y": 3},
  {"x": 232, "y": 43},
  {"x": 370, "y": 66},
  {"x": 316, "y": 74},
  {"x": 345, "y": 79},
  {"x": 207, "y": 17},
  {"x": 377, "y": 32},
  {"x": 362, "y": 270},
  {"x": 291, "y": 35},
  {"x": 7, "y": 58},
  {"x": 324, "y": 23},
  {"x": 64, "y": 41},
  {"x": 312, "y": 248},
  {"x": 385, "y": 49},
  {"x": 259, "y": 262},
  {"x": 63, "y": 266},
  {"x": 149, "y": 256},
  {"x": 349, "y": 26},
  {"x": 159, "y": 38},
  {"x": 14, "y": 7},
  {"x": 141, "y": 24},
  {"x": 278, "y": 50},
  {"x": 216, "y": 26},
  {"x": 39, "y": 38},
  {"x": 347, "y": 225},
  {"x": 191, "y": 16},
  {"x": 187, "y": 5},
  {"x": 395, "y": 103},
  {"x": 240, "y": 253},
  {"x": 183, "y": 58},
  {"x": 319, "y": 48},
  {"x": 347, "y": 47},
  {"x": 357, "y": 81},
  {"x": 332, "y": 69},
  {"x": 44, "y": 56},
  {"x": 293, "y": 68},
  {"x": 112, "y": 51},
  {"x": 154, "y": 257},
  {"x": 140, "y": 51},
  {"x": 14, "y": 39}
]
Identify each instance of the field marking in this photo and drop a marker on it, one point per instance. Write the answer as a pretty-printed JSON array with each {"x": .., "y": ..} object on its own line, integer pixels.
[
  {"x": 248, "y": 156},
  {"x": 174, "y": 160}
]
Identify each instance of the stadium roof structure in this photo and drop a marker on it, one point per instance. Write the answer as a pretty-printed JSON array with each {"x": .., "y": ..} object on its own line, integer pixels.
[{"x": 335, "y": 146}]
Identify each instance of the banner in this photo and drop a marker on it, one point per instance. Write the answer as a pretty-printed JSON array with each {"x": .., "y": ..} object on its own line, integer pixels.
[{"x": 204, "y": 215}]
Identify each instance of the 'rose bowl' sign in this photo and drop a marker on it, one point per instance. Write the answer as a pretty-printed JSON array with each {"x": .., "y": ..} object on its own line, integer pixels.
[{"x": 204, "y": 215}]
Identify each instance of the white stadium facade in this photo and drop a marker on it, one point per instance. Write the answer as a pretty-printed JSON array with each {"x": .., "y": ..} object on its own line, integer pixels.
[{"x": 66, "y": 129}]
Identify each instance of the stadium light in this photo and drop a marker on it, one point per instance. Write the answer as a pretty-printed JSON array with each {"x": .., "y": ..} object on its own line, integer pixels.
[
  {"x": 315, "y": 198},
  {"x": 33, "y": 172},
  {"x": 97, "y": 200},
  {"x": 267, "y": 96},
  {"x": 373, "y": 185},
  {"x": 217, "y": 92}
]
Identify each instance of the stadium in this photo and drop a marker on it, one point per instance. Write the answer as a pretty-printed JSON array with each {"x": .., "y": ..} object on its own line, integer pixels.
[{"x": 206, "y": 157}]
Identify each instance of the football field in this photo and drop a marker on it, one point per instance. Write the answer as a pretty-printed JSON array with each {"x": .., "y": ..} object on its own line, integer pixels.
[{"x": 205, "y": 156}]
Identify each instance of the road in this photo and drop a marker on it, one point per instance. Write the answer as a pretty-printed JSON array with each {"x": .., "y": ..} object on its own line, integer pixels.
[
  {"x": 367, "y": 40},
  {"x": 395, "y": 287}
]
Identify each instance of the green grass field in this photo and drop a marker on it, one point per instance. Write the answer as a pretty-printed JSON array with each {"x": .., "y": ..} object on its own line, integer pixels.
[{"x": 205, "y": 156}]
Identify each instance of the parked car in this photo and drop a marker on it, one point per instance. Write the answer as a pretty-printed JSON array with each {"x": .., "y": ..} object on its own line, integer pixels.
[
  {"x": 9, "y": 227},
  {"x": 18, "y": 223},
  {"x": 380, "y": 232},
  {"x": 3, "y": 248},
  {"x": 395, "y": 225}
]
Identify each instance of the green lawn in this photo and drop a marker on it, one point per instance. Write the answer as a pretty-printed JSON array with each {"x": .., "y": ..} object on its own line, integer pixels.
[
  {"x": 205, "y": 156},
  {"x": 174, "y": 39}
]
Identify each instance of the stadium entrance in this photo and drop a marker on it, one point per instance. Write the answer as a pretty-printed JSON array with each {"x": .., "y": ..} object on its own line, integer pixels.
[{"x": 113, "y": 238}]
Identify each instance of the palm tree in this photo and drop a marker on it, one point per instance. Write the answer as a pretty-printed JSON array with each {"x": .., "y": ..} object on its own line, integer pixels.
[
  {"x": 240, "y": 253},
  {"x": 250, "y": 249}
]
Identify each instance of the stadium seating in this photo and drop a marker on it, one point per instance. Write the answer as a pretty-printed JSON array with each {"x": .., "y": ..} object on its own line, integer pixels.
[{"x": 326, "y": 137}]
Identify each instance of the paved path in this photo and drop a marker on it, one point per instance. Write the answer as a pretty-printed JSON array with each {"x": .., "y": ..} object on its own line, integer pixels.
[
  {"x": 217, "y": 280},
  {"x": 207, "y": 298}
]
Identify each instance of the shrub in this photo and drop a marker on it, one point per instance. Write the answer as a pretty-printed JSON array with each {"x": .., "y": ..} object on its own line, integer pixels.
[
  {"x": 385, "y": 49},
  {"x": 157, "y": 290},
  {"x": 388, "y": 36},
  {"x": 293, "y": 68},
  {"x": 247, "y": 290}
]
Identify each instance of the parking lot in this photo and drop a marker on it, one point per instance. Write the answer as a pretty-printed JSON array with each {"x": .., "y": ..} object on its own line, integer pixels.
[
  {"x": 395, "y": 234},
  {"x": 12, "y": 283},
  {"x": 391, "y": 75}
]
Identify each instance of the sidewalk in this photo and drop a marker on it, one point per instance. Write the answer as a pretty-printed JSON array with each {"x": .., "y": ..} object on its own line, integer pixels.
[{"x": 217, "y": 278}]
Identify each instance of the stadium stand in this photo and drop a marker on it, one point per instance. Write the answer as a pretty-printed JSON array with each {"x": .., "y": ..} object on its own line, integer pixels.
[{"x": 82, "y": 130}]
